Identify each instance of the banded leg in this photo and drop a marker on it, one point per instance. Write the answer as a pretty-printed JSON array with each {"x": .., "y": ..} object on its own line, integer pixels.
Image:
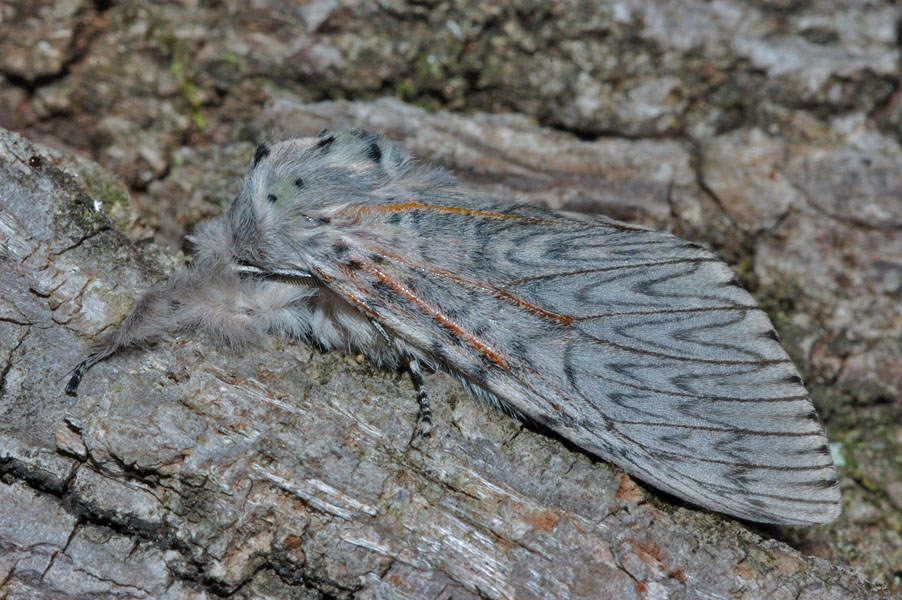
[{"x": 423, "y": 428}]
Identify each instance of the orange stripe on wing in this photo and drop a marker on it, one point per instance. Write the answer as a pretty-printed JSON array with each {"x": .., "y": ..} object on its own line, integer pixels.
[
  {"x": 403, "y": 291},
  {"x": 330, "y": 281},
  {"x": 475, "y": 285},
  {"x": 486, "y": 350},
  {"x": 387, "y": 209},
  {"x": 511, "y": 299}
]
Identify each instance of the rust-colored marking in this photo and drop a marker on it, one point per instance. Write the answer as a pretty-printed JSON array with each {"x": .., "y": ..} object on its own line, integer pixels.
[
  {"x": 325, "y": 278},
  {"x": 499, "y": 294},
  {"x": 506, "y": 297},
  {"x": 356, "y": 302},
  {"x": 649, "y": 552},
  {"x": 406, "y": 206},
  {"x": 439, "y": 317},
  {"x": 628, "y": 491},
  {"x": 292, "y": 543},
  {"x": 542, "y": 521},
  {"x": 490, "y": 353}
]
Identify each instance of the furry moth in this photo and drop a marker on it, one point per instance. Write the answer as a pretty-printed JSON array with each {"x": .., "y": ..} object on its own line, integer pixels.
[{"x": 636, "y": 345}]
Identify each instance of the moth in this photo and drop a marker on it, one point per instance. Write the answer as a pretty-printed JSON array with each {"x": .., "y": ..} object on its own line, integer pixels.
[{"x": 637, "y": 346}]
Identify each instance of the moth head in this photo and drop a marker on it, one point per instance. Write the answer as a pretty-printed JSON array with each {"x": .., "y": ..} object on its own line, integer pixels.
[{"x": 297, "y": 185}]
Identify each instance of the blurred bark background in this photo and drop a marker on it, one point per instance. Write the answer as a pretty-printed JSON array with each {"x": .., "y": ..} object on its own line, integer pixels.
[{"x": 769, "y": 130}]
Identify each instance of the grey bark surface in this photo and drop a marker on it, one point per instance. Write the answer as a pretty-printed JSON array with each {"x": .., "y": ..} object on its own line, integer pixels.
[{"x": 190, "y": 471}]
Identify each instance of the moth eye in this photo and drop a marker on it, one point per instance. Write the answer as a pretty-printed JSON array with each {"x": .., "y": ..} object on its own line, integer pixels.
[
  {"x": 299, "y": 182},
  {"x": 272, "y": 198},
  {"x": 316, "y": 221},
  {"x": 374, "y": 152}
]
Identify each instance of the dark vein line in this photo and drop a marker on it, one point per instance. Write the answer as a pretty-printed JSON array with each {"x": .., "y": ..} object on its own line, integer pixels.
[
  {"x": 742, "y": 465},
  {"x": 711, "y": 361},
  {"x": 633, "y": 332},
  {"x": 613, "y": 268},
  {"x": 721, "y": 490},
  {"x": 707, "y": 397},
  {"x": 677, "y": 456},
  {"x": 668, "y": 311},
  {"x": 717, "y": 493},
  {"x": 736, "y": 430}
]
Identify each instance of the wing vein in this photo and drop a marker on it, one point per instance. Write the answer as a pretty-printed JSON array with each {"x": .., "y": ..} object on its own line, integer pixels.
[
  {"x": 613, "y": 268},
  {"x": 736, "y": 430},
  {"x": 690, "y": 359},
  {"x": 668, "y": 311}
]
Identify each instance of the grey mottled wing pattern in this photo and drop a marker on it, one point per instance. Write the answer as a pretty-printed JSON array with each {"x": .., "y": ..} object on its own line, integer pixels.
[{"x": 634, "y": 344}]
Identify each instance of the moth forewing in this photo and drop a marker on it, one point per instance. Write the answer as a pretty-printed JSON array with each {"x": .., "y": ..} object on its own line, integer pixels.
[
  {"x": 653, "y": 358},
  {"x": 637, "y": 346}
]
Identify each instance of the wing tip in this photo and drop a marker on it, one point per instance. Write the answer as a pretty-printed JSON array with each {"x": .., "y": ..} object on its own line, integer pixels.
[
  {"x": 827, "y": 515},
  {"x": 823, "y": 508}
]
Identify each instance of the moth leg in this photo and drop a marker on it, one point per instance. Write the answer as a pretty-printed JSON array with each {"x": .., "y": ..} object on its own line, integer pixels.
[
  {"x": 423, "y": 428},
  {"x": 79, "y": 371},
  {"x": 101, "y": 352},
  {"x": 189, "y": 244}
]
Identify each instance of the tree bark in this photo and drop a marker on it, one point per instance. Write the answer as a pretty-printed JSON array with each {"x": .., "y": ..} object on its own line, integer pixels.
[{"x": 189, "y": 471}]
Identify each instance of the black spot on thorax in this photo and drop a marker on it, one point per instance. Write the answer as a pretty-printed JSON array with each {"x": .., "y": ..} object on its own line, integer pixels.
[
  {"x": 260, "y": 153},
  {"x": 324, "y": 143}
]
